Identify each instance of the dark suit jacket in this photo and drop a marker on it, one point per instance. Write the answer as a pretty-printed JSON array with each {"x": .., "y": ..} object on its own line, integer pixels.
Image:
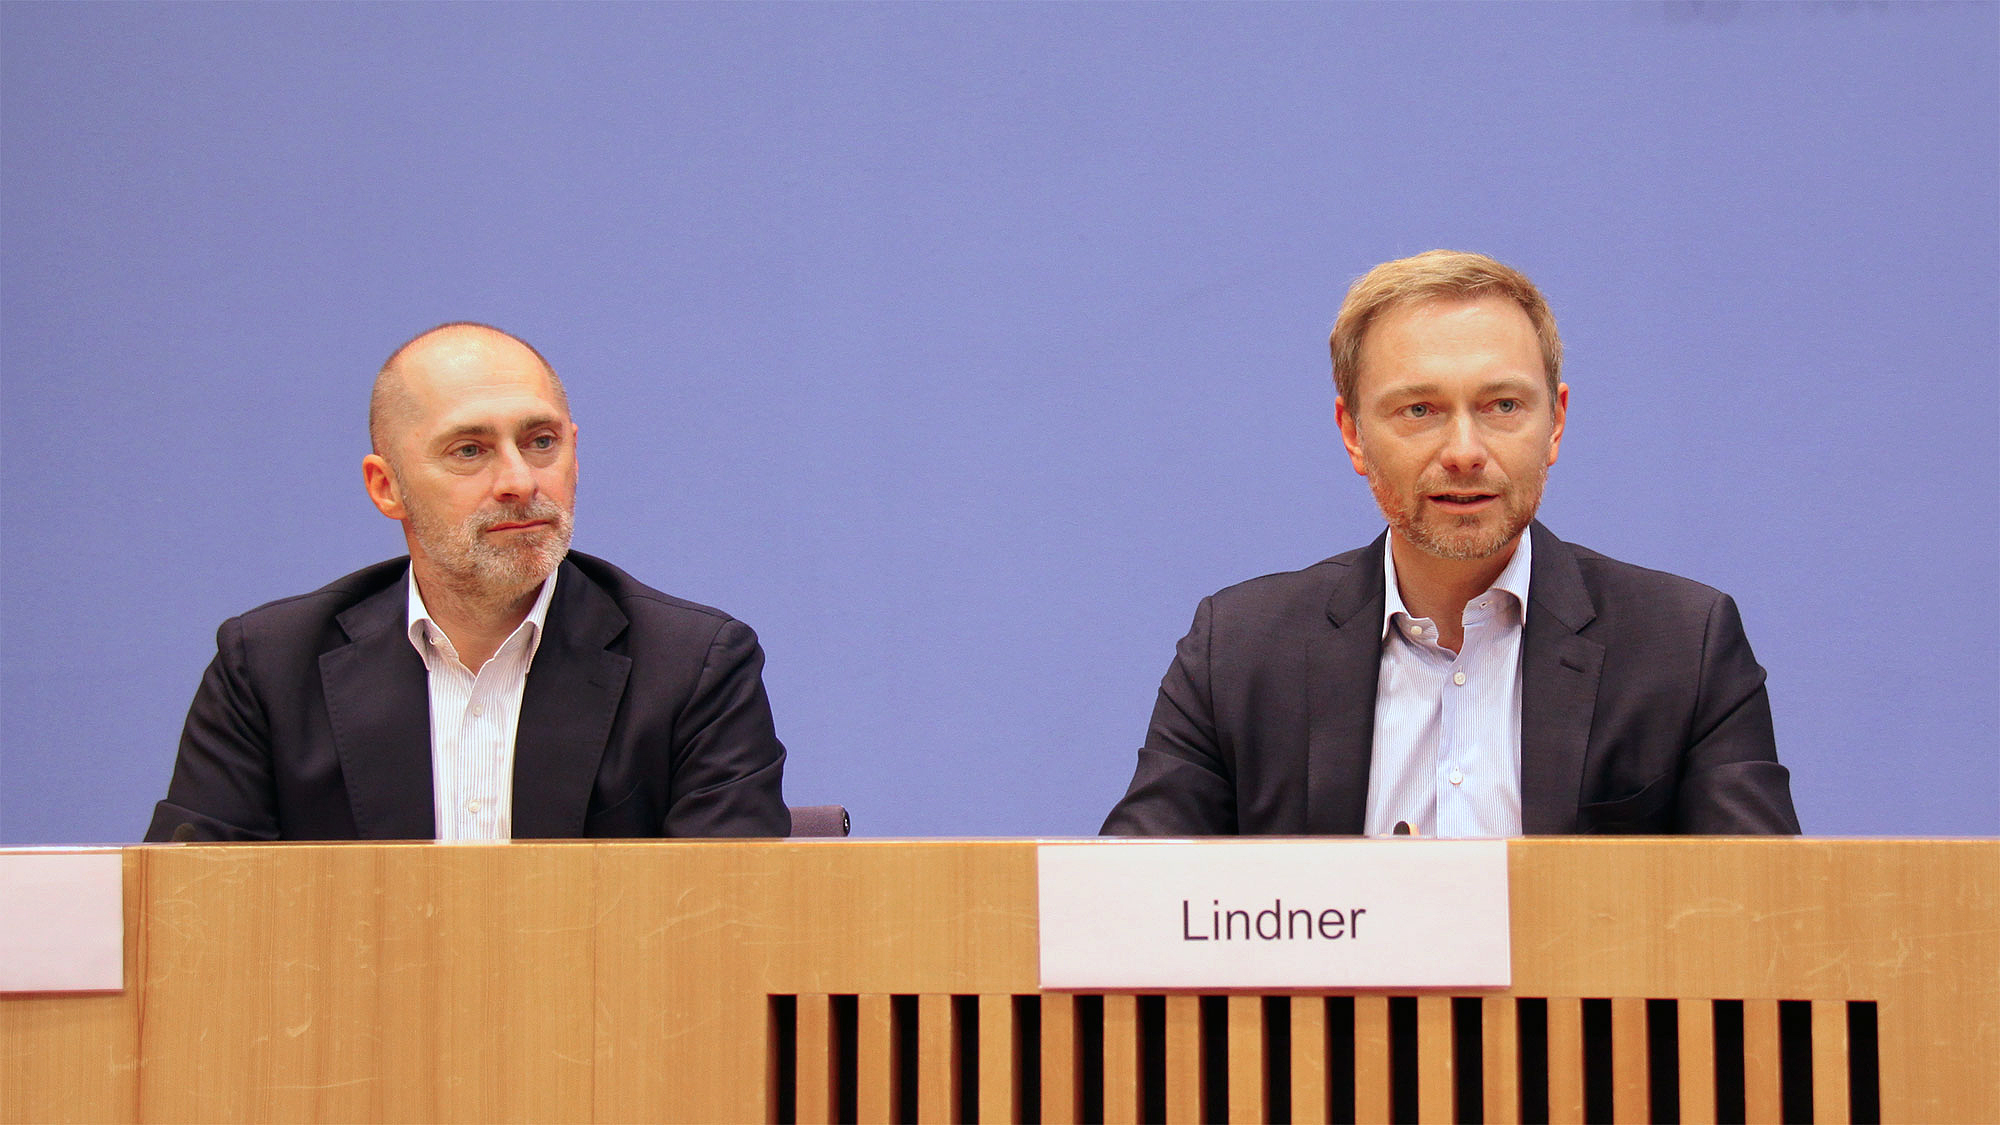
[
  {"x": 643, "y": 715},
  {"x": 1642, "y": 708}
]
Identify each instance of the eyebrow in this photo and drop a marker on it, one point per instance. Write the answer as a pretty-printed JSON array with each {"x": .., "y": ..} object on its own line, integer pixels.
[
  {"x": 1512, "y": 384},
  {"x": 488, "y": 430}
]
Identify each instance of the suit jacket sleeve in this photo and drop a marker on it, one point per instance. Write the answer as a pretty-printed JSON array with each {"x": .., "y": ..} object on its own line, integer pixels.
[
  {"x": 1184, "y": 784},
  {"x": 222, "y": 786},
  {"x": 728, "y": 769},
  {"x": 1731, "y": 782}
]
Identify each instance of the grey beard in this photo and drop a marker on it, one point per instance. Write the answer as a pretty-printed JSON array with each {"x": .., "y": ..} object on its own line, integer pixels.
[{"x": 480, "y": 568}]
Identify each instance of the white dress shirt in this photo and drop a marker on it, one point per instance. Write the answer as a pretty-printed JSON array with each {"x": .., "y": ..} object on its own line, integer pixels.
[
  {"x": 1447, "y": 754},
  {"x": 473, "y": 720}
]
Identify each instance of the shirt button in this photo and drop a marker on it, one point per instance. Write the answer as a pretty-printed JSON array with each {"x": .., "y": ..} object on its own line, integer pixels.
[
  {"x": 1416, "y": 630},
  {"x": 472, "y": 806},
  {"x": 1458, "y": 678},
  {"x": 479, "y": 709},
  {"x": 1457, "y": 775}
]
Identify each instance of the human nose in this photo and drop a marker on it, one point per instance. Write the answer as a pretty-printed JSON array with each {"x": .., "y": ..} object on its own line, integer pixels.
[
  {"x": 513, "y": 479},
  {"x": 1464, "y": 447}
]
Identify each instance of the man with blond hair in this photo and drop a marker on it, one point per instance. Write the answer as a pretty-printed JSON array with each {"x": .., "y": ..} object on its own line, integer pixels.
[
  {"x": 493, "y": 684},
  {"x": 1467, "y": 673}
]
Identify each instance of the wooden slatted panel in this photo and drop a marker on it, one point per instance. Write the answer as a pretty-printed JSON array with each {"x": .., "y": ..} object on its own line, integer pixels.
[
  {"x": 814, "y": 1089},
  {"x": 875, "y": 1061},
  {"x": 1697, "y": 1058},
  {"x": 1184, "y": 1073},
  {"x": 1059, "y": 1087},
  {"x": 404, "y": 940},
  {"x": 1121, "y": 1059},
  {"x": 1565, "y": 1061},
  {"x": 1830, "y": 1061},
  {"x": 1248, "y": 1099},
  {"x": 1629, "y": 1078},
  {"x": 1371, "y": 1058},
  {"x": 1762, "y": 1081},
  {"x": 1435, "y": 1065},
  {"x": 999, "y": 1052},
  {"x": 1309, "y": 1050},
  {"x": 1500, "y": 1074},
  {"x": 937, "y": 1058}
]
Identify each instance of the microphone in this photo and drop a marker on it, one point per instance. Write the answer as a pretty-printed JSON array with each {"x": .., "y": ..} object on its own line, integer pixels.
[{"x": 184, "y": 834}]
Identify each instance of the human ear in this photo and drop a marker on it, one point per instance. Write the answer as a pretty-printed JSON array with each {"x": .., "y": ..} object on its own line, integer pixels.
[
  {"x": 1350, "y": 435},
  {"x": 381, "y": 485},
  {"x": 1561, "y": 408}
]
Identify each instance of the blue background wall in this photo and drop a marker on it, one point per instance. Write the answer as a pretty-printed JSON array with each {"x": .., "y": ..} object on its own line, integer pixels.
[{"x": 961, "y": 349}]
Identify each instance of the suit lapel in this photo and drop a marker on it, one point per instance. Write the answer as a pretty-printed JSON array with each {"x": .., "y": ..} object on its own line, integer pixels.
[
  {"x": 572, "y": 696},
  {"x": 1559, "y": 676},
  {"x": 379, "y": 705},
  {"x": 1343, "y": 664}
]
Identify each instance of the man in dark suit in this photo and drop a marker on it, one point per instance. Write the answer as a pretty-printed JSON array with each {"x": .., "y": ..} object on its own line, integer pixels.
[
  {"x": 492, "y": 685},
  {"x": 1468, "y": 673}
]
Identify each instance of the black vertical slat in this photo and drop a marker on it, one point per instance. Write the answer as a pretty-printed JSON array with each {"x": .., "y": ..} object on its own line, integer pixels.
[
  {"x": 1028, "y": 1035},
  {"x": 1278, "y": 1057},
  {"x": 1090, "y": 1059},
  {"x": 1663, "y": 1060},
  {"x": 1468, "y": 1059},
  {"x": 1531, "y": 1014},
  {"x": 1864, "y": 1064},
  {"x": 1215, "y": 1058},
  {"x": 784, "y": 1074},
  {"x": 1795, "y": 1070},
  {"x": 965, "y": 1029},
  {"x": 1152, "y": 1058},
  {"x": 845, "y": 1017},
  {"x": 1795, "y": 1060},
  {"x": 1340, "y": 1060},
  {"x": 903, "y": 1047},
  {"x": 1597, "y": 1055},
  {"x": 1729, "y": 1092},
  {"x": 1403, "y": 1059}
]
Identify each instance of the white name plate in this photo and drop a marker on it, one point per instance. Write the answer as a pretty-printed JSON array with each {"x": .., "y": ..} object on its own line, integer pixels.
[
  {"x": 1275, "y": 914},
  {"x": 62, "y": 921}
]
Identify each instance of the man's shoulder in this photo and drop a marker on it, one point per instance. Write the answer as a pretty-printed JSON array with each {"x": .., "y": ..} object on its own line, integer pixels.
[
  {"x": 1291, "y": 591},
  {"x": 638, "y": 600},
  {"x": 327, "y": 602},
  {"x": 1613, "y": 582}
]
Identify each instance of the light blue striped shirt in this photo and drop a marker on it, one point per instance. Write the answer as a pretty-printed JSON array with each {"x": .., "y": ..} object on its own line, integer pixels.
[
  {"x": 473, "y": 721},
  {"x": 1447, "y": 754}
]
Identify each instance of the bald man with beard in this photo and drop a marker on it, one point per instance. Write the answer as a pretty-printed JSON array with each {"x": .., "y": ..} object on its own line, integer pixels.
[{"x": 493, "y": 684}]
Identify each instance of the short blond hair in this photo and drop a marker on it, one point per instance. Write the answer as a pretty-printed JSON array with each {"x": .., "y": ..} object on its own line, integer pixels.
[{"x": 1433, "y": 274}]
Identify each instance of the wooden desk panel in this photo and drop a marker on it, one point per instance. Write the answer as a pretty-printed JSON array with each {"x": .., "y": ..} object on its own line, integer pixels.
[{"x": 633, "y": 981}]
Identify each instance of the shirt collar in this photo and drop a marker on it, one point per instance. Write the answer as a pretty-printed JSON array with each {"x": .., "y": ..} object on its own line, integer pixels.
[
  {"x": 420, "y": 623},
  {"x": 1513, "y": 580}
]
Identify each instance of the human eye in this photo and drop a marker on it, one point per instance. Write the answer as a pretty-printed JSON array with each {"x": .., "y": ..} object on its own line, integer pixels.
[
  {"x": 1507, "y": 405},
  {"x": 542, "y": 442},
  {"x": 1419, "y": 410}
]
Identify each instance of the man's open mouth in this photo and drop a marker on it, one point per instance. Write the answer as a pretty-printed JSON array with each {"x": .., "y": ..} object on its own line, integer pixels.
[{"x": 1461, "y": 499}]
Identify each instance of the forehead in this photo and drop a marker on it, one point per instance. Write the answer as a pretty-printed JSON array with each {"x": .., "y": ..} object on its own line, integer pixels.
[
  {"x": 476, "y": 379},
  {"x": 1484, "y": 338}
]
